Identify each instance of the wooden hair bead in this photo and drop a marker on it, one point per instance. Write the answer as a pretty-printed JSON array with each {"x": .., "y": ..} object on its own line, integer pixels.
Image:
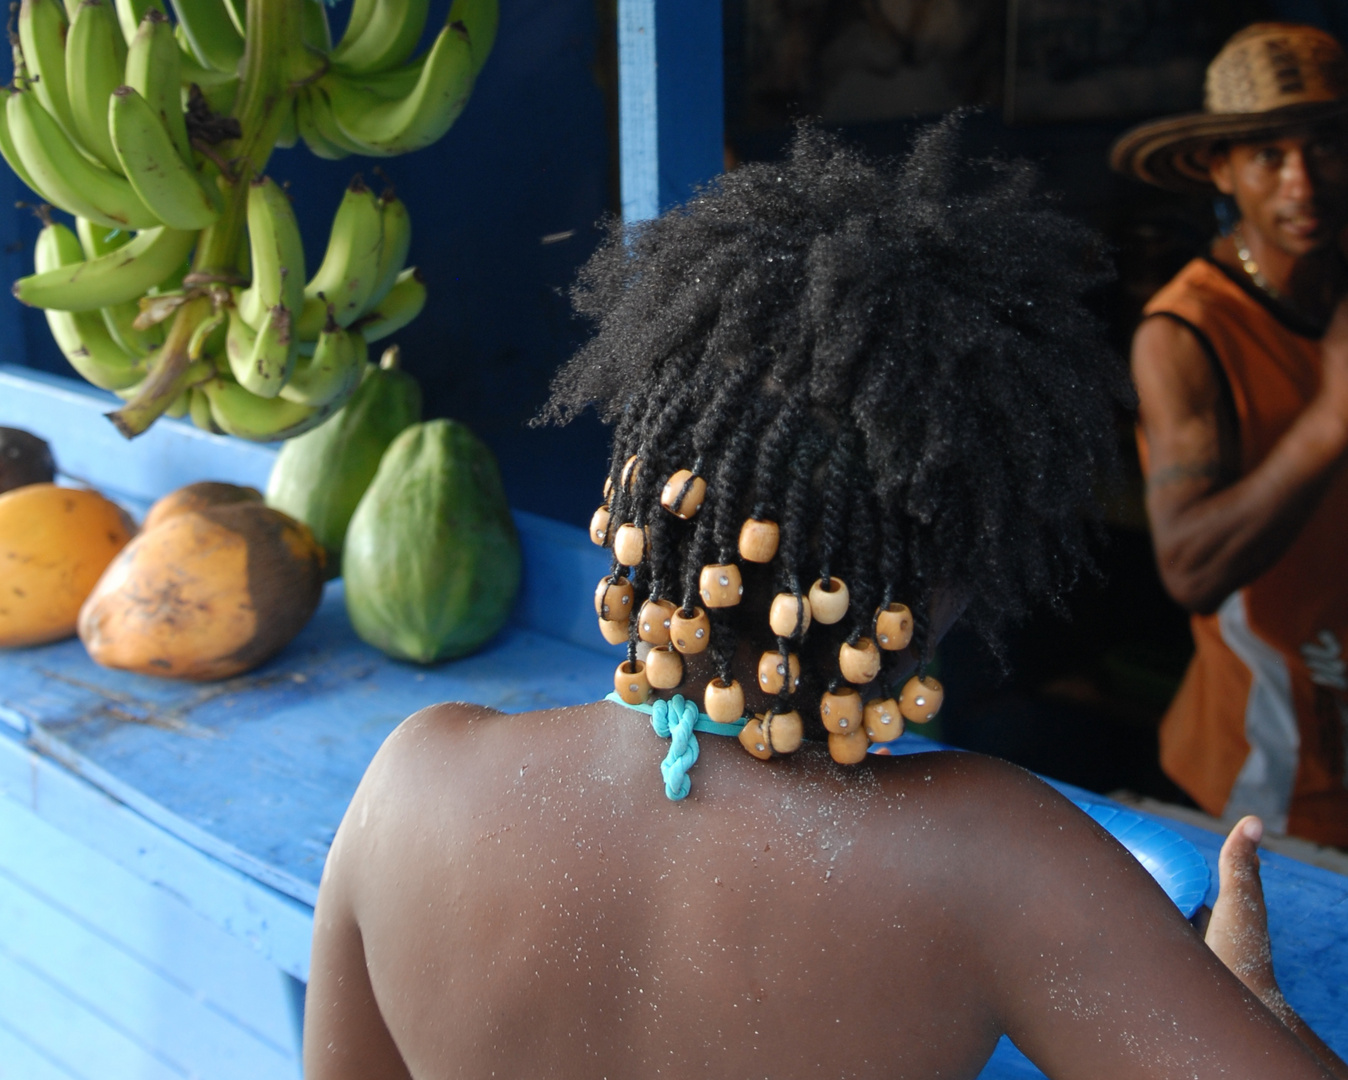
[
  {"x": 690, "y": 631},
  {"x": 785, "y": 731},
  {"x": 758, "y": 540},
  {"x": 631, "y": 470},
  {"x": 724, "y": 701},
  {"x": 608, "y": 489},
  {"x": 720, "y": 585},
  {"x": 613, "y": 599},
  {"x": 615, "y": 633},
  {"x": 599, "y": 526},
  {"x": 754, "y": 739},
  {"x": 628, "y": 544},
  {"x": 860, "y": 663},
  {"x": 664, "y": 667},
  {"x": 630, "y": 681},
  {"x": 893, "y": 627},
  {"x": 882, "y": 720},
  {"x": 772, "y": 671},
  {"x": 849, "y": 747},
  {"x": 840, "y": 710},
  {"x": 692, "y": 499},
  {"x": 921, "y": 699},
  {"x": 789, "y": 615},
  {"x": 653, "y": 621},
  {"x": 828, "y": 603}
]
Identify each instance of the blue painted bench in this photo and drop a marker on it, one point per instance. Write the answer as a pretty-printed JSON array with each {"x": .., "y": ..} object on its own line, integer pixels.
[{"x": 161, "y": 843}]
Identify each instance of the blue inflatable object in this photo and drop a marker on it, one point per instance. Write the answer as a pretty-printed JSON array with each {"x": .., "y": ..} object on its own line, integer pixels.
[{"x": 1178, "y": 867}]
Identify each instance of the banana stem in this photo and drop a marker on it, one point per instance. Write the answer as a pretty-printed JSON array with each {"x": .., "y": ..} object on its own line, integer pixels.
[
  {"x": 168, "y": 377},
  {"x": 272, "y": 50}
]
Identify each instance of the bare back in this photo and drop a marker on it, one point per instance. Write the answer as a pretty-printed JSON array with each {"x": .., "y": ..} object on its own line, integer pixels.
[{"x": 527, "y": 902}]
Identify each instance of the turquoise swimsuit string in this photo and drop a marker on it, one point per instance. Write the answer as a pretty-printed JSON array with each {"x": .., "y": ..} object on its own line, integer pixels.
[{"x": 676, "y": 720}]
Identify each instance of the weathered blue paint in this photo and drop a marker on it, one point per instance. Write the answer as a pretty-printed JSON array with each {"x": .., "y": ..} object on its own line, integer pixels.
[{"x": 671, "y": 122}]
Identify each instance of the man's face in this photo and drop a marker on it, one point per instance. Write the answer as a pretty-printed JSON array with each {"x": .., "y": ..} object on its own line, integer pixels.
[{"x": 1292, "y": 190}]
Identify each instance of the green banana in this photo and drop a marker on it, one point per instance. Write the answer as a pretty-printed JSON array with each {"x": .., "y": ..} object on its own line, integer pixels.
[
  {"x": 350, "y": 265},
  {"x": 402, "y": 304},
  {"x": 178, "y": 409},
  {"x": 82, "y": 336},
  {"x": 393, "y": 251},
  {"x": 387, "y": 38},
  {"x": 154, "y": 70},
  {"x": 313, "y": 117},
  {"x": 164, "y": 182},
  {"x": 246, "y": 416},
  {"x": 361, "y": 13},
  {"x": 261, "y": 362},
  {"x": 199, "y": 408},
  {"x": 130, "y": 14},
  {"x": 479, "y": 18},
  {"x": 197, "y": 343},
  {"x": 210, "y": 33},
  {"x": 383, "y": 127},
  {"x": 276, "y": 251},
  {"x": 95, "y": 66},
  {"x": 332, "y": 373},
  {"x": 11, "y": 154},
  {"x": 121, "y": 275},
  {"x": 64, "y": 176},
  {"x": 314, "y": 26},
  {"x": 120, "y": 319},
  {"x": 237, "y": 10},
  {"x": 42, "y": 34}
]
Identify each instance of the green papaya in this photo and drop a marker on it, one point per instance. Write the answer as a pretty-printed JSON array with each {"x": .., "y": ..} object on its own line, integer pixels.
[
  {"x": 320, "y": 476},
  {"x": 432, "y": 559}
]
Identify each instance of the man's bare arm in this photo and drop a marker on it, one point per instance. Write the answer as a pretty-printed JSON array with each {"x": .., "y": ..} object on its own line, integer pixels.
[{"x": 1214, "y": 533}]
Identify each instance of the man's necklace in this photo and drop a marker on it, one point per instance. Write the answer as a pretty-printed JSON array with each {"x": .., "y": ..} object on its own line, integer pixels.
[{"x": 1251, "y": 267}]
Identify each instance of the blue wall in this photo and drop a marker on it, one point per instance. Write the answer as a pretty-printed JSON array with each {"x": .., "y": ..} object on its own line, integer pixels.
[{"x": 530, "y": 157}]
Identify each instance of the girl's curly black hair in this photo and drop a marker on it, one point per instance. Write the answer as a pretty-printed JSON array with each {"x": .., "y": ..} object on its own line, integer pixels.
[{"x": 892, "y": 360}]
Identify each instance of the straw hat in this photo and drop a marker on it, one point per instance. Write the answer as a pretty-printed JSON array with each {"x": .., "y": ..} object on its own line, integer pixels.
[{"x": 1268, "y": 78}]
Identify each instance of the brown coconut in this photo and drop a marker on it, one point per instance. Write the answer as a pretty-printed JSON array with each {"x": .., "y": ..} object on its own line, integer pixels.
[{"x": 205, "y": 593}]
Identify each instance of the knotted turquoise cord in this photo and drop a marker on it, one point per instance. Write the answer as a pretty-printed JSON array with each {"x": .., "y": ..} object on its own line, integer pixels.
[{"x": 676, "y": 720}]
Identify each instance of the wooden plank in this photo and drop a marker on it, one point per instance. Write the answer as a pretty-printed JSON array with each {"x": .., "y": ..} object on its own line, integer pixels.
[
  {"x": 20, "y": 1060},
  {"x": 257, "y": 771},
  {"x": 150, "y": 924},
  {"x": 671, "y": 122},
  {"x": 70, "y": 415},
  {"x": 139, "y": 1000},
  {"x": 178, "y": 753},
  {"x": 276, "y": 927},
  {"x": 638, "y": 119},
  {"x": 69, "y": 1032}
]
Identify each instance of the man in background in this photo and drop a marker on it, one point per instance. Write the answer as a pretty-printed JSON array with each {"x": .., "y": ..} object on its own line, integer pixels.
[{"x": 1241, "y": 366}]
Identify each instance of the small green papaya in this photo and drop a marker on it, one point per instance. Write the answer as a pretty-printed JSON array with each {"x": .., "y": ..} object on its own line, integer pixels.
[
  {"x": 432, "y": 559},
  {"x": 320, "y": 476}
]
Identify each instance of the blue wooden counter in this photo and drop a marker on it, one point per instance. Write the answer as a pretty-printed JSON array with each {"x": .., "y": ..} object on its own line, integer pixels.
[{"x": 161, "y": 843}]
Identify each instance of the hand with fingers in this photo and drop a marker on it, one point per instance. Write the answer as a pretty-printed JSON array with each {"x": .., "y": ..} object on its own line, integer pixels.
[{"x": 1238, "y": 932}]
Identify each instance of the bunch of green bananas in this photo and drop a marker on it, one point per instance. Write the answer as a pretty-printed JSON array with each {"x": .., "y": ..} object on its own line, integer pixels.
[
  {"x": 95, "y": 122},
  {"x": 182, "y": 286},
  {"x": 373, "y": 99}
]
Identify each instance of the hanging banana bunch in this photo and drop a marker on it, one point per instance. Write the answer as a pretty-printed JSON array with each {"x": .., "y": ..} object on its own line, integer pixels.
[{"x": 182, "y": 286}]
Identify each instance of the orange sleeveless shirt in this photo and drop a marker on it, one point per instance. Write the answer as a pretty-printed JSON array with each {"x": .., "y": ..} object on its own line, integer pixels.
[{"x": 1260, "y": 721}]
